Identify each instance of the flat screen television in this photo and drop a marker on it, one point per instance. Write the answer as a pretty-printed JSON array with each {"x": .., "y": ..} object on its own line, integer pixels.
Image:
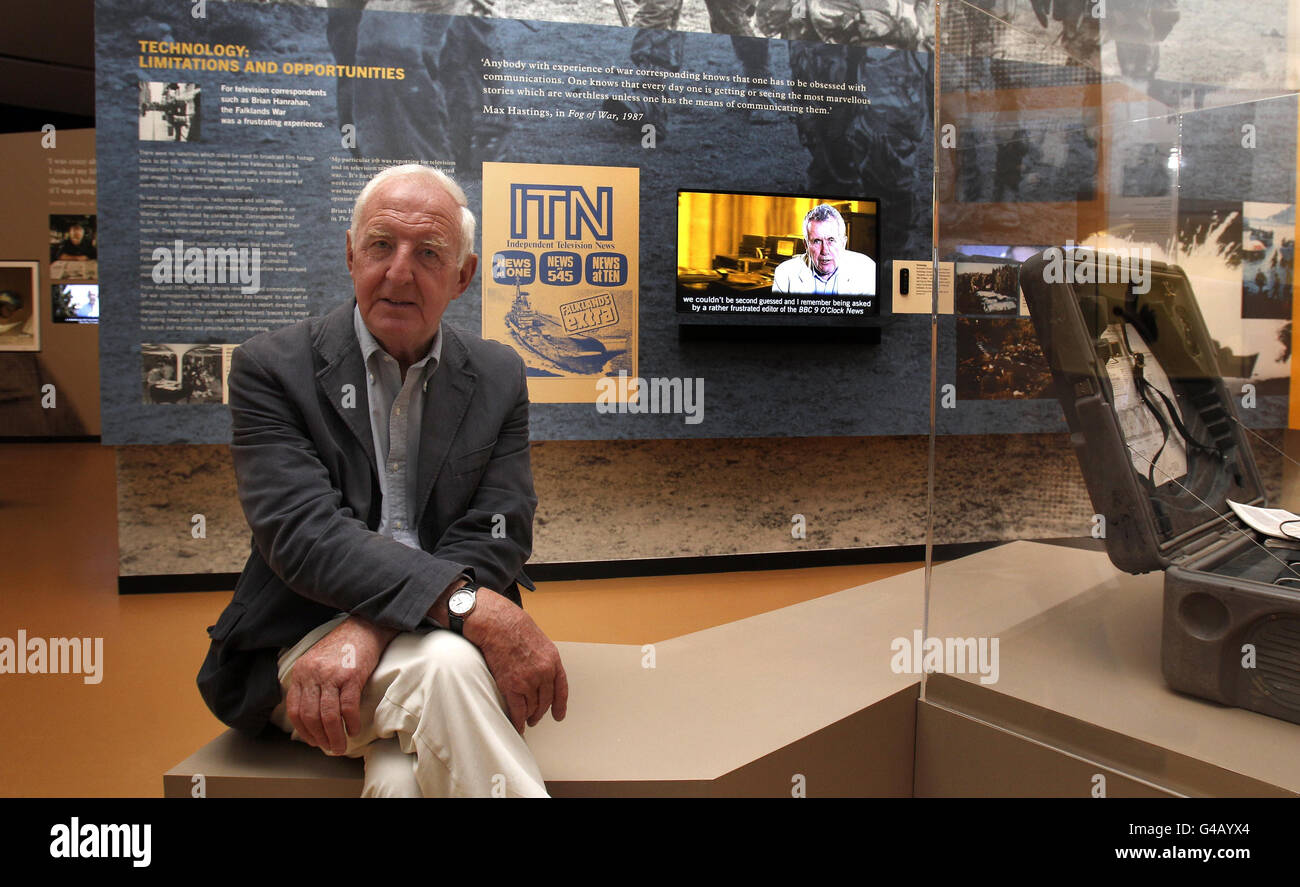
[{"x": 743, "y": 261}]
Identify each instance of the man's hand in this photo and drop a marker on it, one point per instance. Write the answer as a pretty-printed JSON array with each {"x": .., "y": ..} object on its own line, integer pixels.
[
  {"x": 325, "y": 683},
  {"x": 521, "y": 657}
]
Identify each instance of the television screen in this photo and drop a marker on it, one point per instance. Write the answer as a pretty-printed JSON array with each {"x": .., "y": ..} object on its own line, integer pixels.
[{"x": 777, "y": 259}]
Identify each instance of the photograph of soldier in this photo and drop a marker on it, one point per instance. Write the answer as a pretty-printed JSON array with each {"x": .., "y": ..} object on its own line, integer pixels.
[
  {"x": 658, "y": 46},
  {"x": 1035, "y": 155},
  {"x": 444, "y": 76},
  {"x": 1005, "y": 44},
  {"x": 1137, "y": 28},
  {"x": 884, "y": 46},
  {"x": 169, "y": 112},
  {"x": 1146, "y": 171}
]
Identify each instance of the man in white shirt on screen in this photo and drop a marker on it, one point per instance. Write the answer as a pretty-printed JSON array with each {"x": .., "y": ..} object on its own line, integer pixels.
[{"x": 826, "y": 267}]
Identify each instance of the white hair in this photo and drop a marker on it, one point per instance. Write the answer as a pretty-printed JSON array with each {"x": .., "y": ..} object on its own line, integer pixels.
[
  {"x": 823, "y": 212},
  {"x": 429, "y": 176}
]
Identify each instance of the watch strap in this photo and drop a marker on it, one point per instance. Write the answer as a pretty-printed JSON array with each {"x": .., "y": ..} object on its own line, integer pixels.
[{"x": 457, "y": 623}]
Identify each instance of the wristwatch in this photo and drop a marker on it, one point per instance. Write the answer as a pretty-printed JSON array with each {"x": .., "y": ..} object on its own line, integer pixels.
[{"x": 459, "y": 605}]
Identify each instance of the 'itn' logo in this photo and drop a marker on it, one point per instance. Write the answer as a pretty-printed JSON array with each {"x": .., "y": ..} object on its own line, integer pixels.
[{"x": 563, "y": 212}]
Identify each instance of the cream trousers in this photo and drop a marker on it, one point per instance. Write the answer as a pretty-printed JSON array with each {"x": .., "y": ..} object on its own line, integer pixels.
[{"x": 433, "y": 722}]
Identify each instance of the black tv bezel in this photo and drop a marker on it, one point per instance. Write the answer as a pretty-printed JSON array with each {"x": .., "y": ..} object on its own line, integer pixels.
[{"x": 838, "y": 327}]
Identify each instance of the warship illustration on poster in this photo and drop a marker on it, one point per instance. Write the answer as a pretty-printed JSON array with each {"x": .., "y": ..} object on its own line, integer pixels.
[{"x": 551, "y": 347}]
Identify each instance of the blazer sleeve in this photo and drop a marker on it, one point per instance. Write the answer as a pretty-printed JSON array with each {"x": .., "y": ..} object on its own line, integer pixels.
[
  {"x": 493, "y": 534},
  {"x": 308, "y": 536}
]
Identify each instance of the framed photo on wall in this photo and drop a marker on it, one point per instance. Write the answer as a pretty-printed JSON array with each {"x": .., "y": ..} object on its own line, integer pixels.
[{"x": 20, "y": 321}]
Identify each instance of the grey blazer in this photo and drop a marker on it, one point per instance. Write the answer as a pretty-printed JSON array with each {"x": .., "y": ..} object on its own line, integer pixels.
[{"x": 305, "y": 464}]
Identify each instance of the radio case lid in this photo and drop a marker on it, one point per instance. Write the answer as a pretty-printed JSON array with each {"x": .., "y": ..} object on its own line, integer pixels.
[{"x": 1158, "y": 439}]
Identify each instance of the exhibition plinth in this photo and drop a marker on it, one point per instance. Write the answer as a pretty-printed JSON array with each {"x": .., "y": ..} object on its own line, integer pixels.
[{"x": 1080, "y": 694}]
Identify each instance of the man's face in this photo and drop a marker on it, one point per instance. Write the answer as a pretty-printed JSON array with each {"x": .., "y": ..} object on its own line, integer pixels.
[
  {"x": 403, "y": 264},
  {"x": 75, "y": 233},
  {"x": 825, "y": 241}
]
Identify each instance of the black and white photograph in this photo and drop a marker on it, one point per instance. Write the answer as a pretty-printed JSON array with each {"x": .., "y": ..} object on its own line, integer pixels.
[
  {"x": 1027, "y": 156},
  {"x": 182, "y": 373},
  {"x": 1210, "y": 230},
  {"x": 20, "y": 326},
  {"x": 169, "y": 112}
]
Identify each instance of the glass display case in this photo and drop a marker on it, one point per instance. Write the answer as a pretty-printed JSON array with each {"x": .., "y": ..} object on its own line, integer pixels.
[{"x": 1115, "y": 192}]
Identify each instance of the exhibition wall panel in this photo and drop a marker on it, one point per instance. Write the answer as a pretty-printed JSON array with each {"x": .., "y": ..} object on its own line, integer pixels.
[
  {"x": 242, "y": 136},
  {"x": 252, "y": 127},
  {"x": 49, "y": 286}
]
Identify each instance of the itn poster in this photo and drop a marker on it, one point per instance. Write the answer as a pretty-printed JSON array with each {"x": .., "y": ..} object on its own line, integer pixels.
[{"x": 560, "y": 273}]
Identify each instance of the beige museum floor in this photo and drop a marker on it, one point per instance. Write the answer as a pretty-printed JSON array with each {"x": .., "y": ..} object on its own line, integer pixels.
[{"x": 62, "y": 737}]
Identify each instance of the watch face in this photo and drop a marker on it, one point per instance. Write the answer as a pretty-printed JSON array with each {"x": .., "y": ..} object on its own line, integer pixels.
[{"x": 461, "y": 601}]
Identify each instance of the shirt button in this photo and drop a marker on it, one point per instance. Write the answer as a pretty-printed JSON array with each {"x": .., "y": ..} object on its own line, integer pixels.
[
  {"x": 370, "y": 376},
  {"x": 398, "y": 410}
]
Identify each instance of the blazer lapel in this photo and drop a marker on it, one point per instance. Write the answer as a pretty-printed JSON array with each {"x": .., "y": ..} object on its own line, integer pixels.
[
  {"x": 336, "y": 343},
  {"x": 445, "y": 404},
  {"x": 806, "y": 279}
]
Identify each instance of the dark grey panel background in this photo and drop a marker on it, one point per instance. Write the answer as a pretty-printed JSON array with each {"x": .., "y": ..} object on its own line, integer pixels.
[{"x": 750, "y": 391}]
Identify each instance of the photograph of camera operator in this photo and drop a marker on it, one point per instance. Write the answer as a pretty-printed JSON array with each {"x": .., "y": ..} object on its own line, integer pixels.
[
  {"x": 74, "y": 254},
  {"x": 1267, "y": 259},
  {"x": 1027, "y": 155},
  {"x": 20, "y": 328},
  {"x": 74, "y": 303},
  {"x": 169, "y": 112},
  {"x": 1000, "y": 359},
  {"x": 986, "y": 288},
  {"x": 182, "y": 373}
]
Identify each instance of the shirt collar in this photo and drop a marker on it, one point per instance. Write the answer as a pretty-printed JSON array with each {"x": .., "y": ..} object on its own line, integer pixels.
[
  {"x": 823, "y": 278},
  {"x": 370, "y": 345}
]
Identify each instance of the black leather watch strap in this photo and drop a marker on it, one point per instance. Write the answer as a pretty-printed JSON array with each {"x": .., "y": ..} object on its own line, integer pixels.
[{"x": 457, "y": 623}]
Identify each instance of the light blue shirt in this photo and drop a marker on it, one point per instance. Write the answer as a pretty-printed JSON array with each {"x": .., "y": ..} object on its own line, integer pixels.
[
  {"x": 828, "y": 284},
  {"x": 396, "y": 411}
]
